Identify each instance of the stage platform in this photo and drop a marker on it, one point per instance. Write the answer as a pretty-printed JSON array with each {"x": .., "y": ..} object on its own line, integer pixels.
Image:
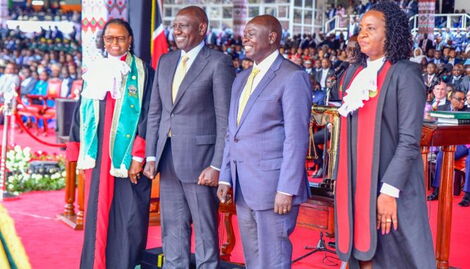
[
  {"x": 153, "y": 259},
  {"x": 48, "y": 241}
]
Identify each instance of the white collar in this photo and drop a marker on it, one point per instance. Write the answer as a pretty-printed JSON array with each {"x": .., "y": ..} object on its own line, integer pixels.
[
  {"x": 193, "y": 52},
  {"x": 116, "y": 57},
  {"x": 361, "y": 87},
  {"x": 375, "y": 64},
  {"x": 265, "y": 64}
]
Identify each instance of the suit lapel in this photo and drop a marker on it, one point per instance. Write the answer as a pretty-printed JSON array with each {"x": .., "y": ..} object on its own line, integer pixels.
[
  {"x": 237, "y": 94},
  {"x": 196, "y": 68},
  {"x": 169, "y": 72},
  {"x": 268, "y": 77}
]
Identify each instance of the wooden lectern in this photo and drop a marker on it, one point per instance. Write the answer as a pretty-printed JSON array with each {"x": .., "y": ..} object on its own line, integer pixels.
[{"x": 446, "y": 136}]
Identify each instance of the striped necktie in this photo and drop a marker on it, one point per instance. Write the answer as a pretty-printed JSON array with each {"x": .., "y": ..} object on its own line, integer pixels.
[
  {"x": 247, "y": 91},
  {"x": 179, "y": 76}
]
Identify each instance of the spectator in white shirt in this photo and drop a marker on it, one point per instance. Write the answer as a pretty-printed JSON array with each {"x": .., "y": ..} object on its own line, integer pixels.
[{"x": 10, "y": 81}]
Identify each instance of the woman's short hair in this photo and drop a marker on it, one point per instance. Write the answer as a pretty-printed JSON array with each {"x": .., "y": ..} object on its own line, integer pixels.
[{"x": 125, "y": 24}]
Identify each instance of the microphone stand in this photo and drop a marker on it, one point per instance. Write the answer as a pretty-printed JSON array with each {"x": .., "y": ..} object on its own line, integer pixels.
[{"x": 8, "y": 106}]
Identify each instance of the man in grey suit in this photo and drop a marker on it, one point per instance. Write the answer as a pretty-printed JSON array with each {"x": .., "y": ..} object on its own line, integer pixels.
[
  {"x": 325, "y": 73},
  {"x": 187, "y": 123},
  {"x": 266, "y": 145}
]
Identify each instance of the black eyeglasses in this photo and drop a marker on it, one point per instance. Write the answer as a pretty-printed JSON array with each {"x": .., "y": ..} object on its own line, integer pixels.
[{"x": 460, "y": 99}]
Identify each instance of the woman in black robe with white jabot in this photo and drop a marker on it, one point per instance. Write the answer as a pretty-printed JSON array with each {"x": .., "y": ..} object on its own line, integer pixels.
[
  {"x": 380, "y": 203},
  {"x": 107, "y": 140}
]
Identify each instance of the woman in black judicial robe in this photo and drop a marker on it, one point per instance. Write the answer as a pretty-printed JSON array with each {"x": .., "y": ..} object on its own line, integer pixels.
[
  {"x": 118, "y": 199},
  {"x": 381, "y": 214}
]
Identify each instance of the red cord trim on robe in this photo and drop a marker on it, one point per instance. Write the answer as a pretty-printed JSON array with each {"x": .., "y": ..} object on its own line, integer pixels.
[
  {"x": 138, "y": 149},
  {"x": 343, "y": 185},
  {"x": 365, "y": 159},
  {"x": 106, "y": 189},
  {"x": 72, "y": 151}
]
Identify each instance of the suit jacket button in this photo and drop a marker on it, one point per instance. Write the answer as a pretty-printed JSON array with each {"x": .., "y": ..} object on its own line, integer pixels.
[
  {"x": 235, "y": 140},
  {"x": 172, "y": 115}
]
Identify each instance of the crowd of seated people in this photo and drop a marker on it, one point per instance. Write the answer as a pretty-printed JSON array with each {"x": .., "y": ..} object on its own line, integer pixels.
[
  {"x": 410, "y": 7},
  {"x": 453, "y": 100},
  {"x": 43, "y": 14},
  {"x": 444, "y": 57},
  {"x": 446, "y": 74},
  {"x": 40, "y": 69}
]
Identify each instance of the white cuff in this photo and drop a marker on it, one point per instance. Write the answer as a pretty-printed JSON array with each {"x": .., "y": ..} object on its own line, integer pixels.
[
  {"x": 288, "y": 194},
  {"x": 215, "y": 168},
  {"x": 137, "y": 159},
  {"x": 225, "y": 183},
  {"x": 151, "y": 159},
  {"x": 390, "y": 190}
]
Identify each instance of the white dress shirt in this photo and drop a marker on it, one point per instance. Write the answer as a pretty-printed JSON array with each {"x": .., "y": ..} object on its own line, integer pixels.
[
  {"x": 440, "y": 102},
  {"x": 9, "y": 82},
  {"x": 264, "y": 67},
  {"x": 429, "y": 79},
  {"x": 324, "y": 76},
  {"x": 192, "y": 54}
]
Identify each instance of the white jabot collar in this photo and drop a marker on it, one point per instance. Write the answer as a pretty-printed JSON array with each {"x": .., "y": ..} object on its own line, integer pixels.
[
  {"x": 362, "y": 85},
  {"x": 105, "y": 75}
]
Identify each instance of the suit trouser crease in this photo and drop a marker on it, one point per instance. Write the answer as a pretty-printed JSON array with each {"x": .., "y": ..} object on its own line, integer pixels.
[
  {"x": 265, "y": 235},
  {"x": 182, "y": 204}
]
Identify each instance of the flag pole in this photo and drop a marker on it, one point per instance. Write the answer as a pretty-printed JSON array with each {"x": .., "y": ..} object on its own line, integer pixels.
[{"x": 152, "y": 26}]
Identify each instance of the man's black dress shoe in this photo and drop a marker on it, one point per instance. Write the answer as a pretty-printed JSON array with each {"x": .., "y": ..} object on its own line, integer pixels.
[
  {"x": 464, "y": 203},
  {"x": 434, "y": 195}
]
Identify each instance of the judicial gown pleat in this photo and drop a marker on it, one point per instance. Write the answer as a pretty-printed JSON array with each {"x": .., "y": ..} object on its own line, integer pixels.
[{"x": 117, "y": 211}]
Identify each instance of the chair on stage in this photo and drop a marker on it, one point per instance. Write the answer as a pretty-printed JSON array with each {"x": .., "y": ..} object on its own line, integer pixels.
[
  {"x": 318, "y": 212},
  {"x": 43, "y": 106},
  {"x": 76, "y": 89}
]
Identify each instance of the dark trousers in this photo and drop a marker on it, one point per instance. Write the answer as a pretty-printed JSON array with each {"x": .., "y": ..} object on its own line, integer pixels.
[
  {"x": 183, "y": 204},
  {"x": 319, "y": 138},
  {"x": 460, "y": 152}
]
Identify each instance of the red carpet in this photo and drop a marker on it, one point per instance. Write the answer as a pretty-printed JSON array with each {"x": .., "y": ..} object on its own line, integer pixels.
[
  {"x": 23, "y": 139},
  {"x": 51, "y": 244}
]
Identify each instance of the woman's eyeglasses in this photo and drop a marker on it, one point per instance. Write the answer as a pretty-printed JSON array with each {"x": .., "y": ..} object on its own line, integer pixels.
[{"x": 112, "y": 39}]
